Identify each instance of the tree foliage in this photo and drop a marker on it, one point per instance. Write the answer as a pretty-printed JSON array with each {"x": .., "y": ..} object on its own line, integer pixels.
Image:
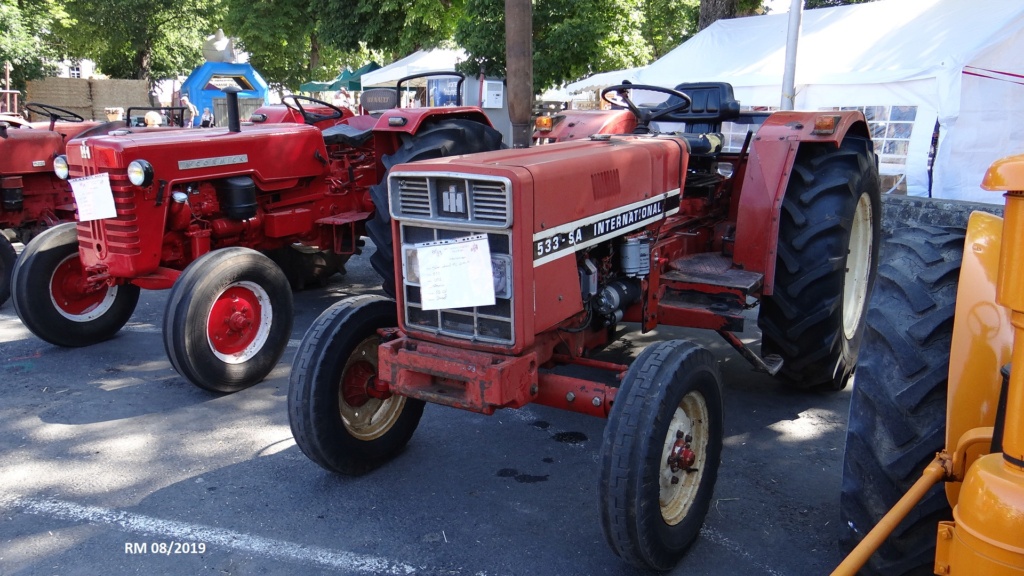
[
  {"x": 571, "y": 38},
  {"x": 829, "y": 3},
  {"x": 395, "y": 28},
  {"x": 26, "y": 41},
  {"x": 669, "y": 23},
  {"x": 144, "y": 39}
]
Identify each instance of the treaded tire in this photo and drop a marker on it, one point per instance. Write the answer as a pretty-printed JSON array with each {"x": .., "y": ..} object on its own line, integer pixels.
[
  {"x": 200, "y": 310},
  {"x": 813, "y": 320},
  {"x": 337, "y": 358},
  {"x": 436, "y": 139},
  {"x": 50, "y": 262},
  {"x": 898, "y": 406},
  {"x": 7, "y": 258},
  {"x": 648, "y": 521}
]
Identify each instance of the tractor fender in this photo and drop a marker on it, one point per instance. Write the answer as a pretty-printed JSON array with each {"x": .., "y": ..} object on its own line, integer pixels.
[
  {"x": 577, "y": 124},
  {"x": 982, "y": 339},
  {"x": 409, "y": 120},
  {"x": 766, "y": 176}
]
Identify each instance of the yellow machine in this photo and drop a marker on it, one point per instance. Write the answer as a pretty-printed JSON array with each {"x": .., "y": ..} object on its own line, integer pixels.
[{"x": 983, "y": 462}]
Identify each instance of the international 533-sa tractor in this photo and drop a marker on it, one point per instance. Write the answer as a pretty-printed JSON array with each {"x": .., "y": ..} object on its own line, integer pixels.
[
  {"x": 229, "y": 218},
  {"x": 32, "y": 198},
  {"x": 937, "y": 404},
  {"x": 512, "y": 264}
]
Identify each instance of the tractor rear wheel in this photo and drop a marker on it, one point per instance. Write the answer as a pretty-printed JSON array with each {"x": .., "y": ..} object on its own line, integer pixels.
[
  {"x": 661, "y": 451},
  {"x": 438, "y": 139},
  {"x": 337, "y": 417},
  {"x": 228, "y": 319},
  {"x": 52, "y": 299},
  {"x": 829, "y": 234},
  {"x": 898, "y": 406},
  {"x": 7, "y": 258}
]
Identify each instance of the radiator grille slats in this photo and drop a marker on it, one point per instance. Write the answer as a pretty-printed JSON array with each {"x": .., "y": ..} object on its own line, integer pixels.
[{"x": 438, "y": 196}]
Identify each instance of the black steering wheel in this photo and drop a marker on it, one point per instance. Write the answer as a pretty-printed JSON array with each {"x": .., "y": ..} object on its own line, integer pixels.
[
  {"x": 293, "y": 101},
  {"x": 52, "y": 112},
  {"x": 646, "y": 115}
]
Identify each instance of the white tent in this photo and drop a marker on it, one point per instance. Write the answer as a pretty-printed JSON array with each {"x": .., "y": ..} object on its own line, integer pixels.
[
  {"x": 422, "y": 61},
  {"x": 908, "y": 63},
  {"x": 599, "y": 81}
]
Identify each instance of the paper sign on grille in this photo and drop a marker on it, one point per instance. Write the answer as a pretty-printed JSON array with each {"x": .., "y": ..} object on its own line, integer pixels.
[
  {"x": 93, "y": 197},
  {"x": 455, "y": 273}
]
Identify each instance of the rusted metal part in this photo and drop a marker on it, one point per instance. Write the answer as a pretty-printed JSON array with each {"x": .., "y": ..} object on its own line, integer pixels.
[
  {"x": 681, "y": 457},
  {"x": 770, "y": 364},
  {"x": 575, "y": 394}
]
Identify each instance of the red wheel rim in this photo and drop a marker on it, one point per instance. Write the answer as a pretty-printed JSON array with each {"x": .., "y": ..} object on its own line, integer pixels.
[
  {"x": 356, "y": 380},
  {"x": 235, "y": 320},
  {"x": 68, "y": 295}
]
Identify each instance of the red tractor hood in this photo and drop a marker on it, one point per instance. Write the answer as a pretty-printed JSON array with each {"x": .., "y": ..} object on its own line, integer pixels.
[
  {"x": 28, "y": 151},
  {"x": 278, "y": 152},
  {"x": 574, "y": 180}
]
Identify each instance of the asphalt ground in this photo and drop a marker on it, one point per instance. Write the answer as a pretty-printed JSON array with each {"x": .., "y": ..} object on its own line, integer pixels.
[{"x": 111, "y": 463}]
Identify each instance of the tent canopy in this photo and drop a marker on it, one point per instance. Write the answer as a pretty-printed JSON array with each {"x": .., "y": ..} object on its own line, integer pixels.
[
  {"x": 422, "y": 61},
  {"x": 602, "y": 80},
  {"x": 909, "y": 64},
  {"x": 347, "y": 80}
]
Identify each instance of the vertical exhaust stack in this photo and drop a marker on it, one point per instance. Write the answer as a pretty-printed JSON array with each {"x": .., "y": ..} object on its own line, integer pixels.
[{"x": 234, "y": 123}]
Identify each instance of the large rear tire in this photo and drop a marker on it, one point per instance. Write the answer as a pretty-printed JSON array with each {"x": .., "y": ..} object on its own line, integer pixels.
[
  {"x": 898, "y": 406},
  {"x": 670, "y": 403},
  {"x": 51, "y": 298},
  {"x": 829, "y": 234},
  {"x": 228, "y": 319},
  {"x": 7, "y": 258},
  {"x": 337, "y": 419},
  {"x": 438, "y": 139}
]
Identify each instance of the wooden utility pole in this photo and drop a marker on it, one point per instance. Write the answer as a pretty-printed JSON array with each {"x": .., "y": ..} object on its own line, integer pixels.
[{"x": 519, "y": 66}]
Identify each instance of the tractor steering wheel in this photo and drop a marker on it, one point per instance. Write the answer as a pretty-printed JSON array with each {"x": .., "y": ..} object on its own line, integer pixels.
[
  {"x": 292, "y": 101},
  {"x": 53, "y": 113},
  {"x": 646, "y": 115}
]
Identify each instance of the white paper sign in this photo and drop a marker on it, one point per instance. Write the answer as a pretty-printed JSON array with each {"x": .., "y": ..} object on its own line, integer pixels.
[
  {"x": 455, "y": 273},
  {"x": 93, "y": 197},
  {"x": 494, "y": 94}
]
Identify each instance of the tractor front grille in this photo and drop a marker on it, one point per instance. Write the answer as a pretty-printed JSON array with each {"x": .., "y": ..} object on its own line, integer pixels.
[
  {"x": 474, "y": 200},
  {"x": 120, "y": 235},
  {"x": 493, "y": 324}
]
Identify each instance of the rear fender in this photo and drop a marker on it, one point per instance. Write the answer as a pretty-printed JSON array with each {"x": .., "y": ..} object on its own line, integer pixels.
[
  {"x": 409, "y": 120},
  {"x": 982, "y": 339},
  {"x": 770, "y": 162}
]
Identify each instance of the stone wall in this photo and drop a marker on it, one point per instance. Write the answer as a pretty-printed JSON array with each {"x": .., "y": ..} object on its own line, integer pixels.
[{"x": 88, "y": 98}]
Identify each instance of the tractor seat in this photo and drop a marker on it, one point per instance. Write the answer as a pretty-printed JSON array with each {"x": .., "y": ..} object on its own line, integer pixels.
[
  {"x": 347, "y": 135},
  {"x": 713, "y": 103}
]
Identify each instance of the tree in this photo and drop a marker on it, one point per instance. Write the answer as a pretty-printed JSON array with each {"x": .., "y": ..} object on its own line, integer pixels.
[
  {"x": 26, "y": 42},
  {"x": 144, "y": 39},
  {"x": 571, "y": 38},
  {"x": 712, "y": 10},
  {"x": 669, "y": 23},
  {"x": 827, "y": 3},
  {"x": 395, "y": 28}
]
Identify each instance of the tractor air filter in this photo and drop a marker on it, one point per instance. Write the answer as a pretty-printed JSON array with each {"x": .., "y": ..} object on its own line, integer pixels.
[{"x": 237, "y": 197}]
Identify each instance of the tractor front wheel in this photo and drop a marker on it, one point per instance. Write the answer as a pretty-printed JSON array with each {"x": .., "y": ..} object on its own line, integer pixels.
[
  {"x": 7, "y": 258},
  {"x": 898, "y": 406},
  {"x": 661, "y": 451},
  {"x": 228, "y": 319},
  {"x": 53, "y": 299},
  {"x": 437, "y": 139},
  {"x": 829, "y": 233},
  {"x": 339, "y": 419}
]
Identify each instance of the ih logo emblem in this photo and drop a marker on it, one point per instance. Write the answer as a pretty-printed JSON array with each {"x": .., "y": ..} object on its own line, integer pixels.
[
  {"x": 453, "y": 200},
  {"x": 85, "y": 152}
]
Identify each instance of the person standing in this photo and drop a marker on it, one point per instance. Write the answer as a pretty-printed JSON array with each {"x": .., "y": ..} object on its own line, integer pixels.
[{"x": 190, "y": 112}]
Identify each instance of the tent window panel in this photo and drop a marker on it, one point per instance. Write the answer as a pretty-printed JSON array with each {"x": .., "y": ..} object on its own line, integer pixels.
[
  {"x": 875, "y": 113},
  {"x": 877, "y": 130},
  {"x": 896, "y": 147},
  {"x": 903, "y": 113},
  {"x": 899, "y": 130}
]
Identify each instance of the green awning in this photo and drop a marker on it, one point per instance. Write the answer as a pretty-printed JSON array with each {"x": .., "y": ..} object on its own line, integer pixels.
[{"x": 348, "y": 80}]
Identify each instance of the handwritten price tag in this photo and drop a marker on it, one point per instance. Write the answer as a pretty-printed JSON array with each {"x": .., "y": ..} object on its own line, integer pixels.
[
  {"x": 455, "y": 273},
  {"x": 93, "y": 197}
]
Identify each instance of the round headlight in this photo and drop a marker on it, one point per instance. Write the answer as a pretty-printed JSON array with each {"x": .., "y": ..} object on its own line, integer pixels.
[
  {"x": 140, "y": 173},
  {"x": 60, "y": 167}
]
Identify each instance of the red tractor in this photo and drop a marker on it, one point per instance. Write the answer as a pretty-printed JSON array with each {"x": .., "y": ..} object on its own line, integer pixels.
[
  {"x": 32, "y": 198},
  {"x": 512, "y": 266},
  {"x": 228, "y": 218}
]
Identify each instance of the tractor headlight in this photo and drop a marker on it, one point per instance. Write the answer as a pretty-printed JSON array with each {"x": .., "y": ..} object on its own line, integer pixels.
[
  {"x": 60, "y": 167},
  {"x": 140, "y": 173}
]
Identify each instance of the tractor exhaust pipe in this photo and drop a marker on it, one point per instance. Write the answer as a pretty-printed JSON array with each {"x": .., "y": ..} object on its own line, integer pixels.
[{"x": 234, "y": 123}]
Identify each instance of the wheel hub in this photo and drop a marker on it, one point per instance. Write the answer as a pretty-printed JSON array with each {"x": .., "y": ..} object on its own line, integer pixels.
[
  {"x": 858, "y": 267},
  {"x": 239, "y": 322},
  {"x": 683, "y": 458},
  {"x": 366, "y": 411},
  {"x": 74, "y": 297}
]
